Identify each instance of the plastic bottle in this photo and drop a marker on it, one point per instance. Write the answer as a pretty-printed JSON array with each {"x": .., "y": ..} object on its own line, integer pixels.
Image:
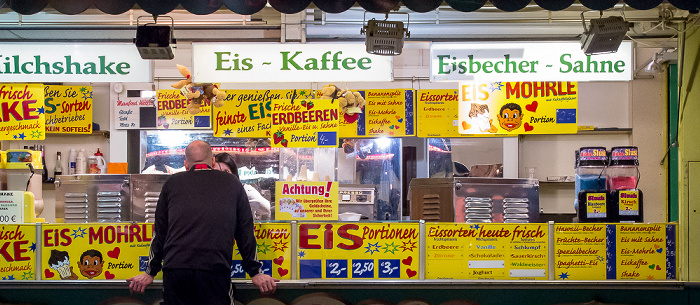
[
  {"x": 101, "y": 162},
  {"x": 80, "y": 162},
  {"x": 71, "y": 162}
]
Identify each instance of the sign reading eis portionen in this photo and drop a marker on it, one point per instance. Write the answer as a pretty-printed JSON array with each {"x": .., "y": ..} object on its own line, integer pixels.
[
  {"x": 274, "y": 62},
  {"x": 525, "y": 61},
  {"x": 57, "y": 62}
]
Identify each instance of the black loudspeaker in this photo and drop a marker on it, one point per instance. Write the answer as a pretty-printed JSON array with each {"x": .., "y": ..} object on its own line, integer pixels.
[{"x": 153, "y": 41}]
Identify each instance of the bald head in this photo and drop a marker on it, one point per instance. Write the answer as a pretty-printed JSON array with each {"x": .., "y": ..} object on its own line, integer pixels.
[{"x": 198, "y": 152}]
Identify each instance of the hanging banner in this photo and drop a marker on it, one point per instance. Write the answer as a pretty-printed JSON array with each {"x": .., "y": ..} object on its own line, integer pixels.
[
  {"x": 437, "y": 114},
  {"x": 580, "y": 252},
  {"x": 306, "y": 200},
  {"x": 173, "y": 114},
  {"x": 135, "y": 113},
  {"x": 94, "y": 251},
  {"x": 68, "y": 109},
  {"x": 304, "y": 123},
  {"x": 288, "y": 62},
  {"x": 274, "y": 242},
  {"x": 22, "y": 112},
  {"x": 359, "y": 251},
  {"x": 248, "y": 113},
  {"x": 486, "y": 251},
  {"x": 644, "y": 251},
  {"x": 18, "y": 262},
  {"x": 521, "y": 60},
  {"x": 518, "y": 108}
]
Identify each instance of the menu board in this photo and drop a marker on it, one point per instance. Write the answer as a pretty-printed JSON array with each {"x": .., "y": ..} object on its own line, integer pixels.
[
  {"x": 580, "y": 252},
  {"x": 644, "y": 251},
  {"x": 23, "y": 112},
  {"x": 94, "y": 251},
  {"x": 615, "y": 251},
  {"x": 274, "y": 243},
  {"x": 68, "y": 109},
  {"x": 247, "y": 113},
  {"x": 486, "y": 251},
  {"x": 18, "y": 261},
  {"x": 358, "y": 250},
  {"x": 135, "y": 113},
  {"x": 518, "y": 107},
  {"x": 172, "y": 112},
  {"x": 304, "y": 123},
  {"x": 306, "y": 200}
]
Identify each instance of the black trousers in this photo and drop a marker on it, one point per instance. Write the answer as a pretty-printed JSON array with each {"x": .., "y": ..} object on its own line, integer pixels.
[{"x": 193, "y": 286}]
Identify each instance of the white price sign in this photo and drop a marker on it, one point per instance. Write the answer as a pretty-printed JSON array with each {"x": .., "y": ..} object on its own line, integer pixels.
[{"x": 11, "y": 207}]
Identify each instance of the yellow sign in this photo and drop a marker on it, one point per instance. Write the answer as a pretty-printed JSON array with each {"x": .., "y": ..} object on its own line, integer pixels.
[
  {"x": 247, "y": 113},
  {"x": 642, "y": 252},
  {"x": 629, "y": 203},
  {"x": 18, "y": 252},
  {"x": 358, "y": 250},
  {"x": 305, "y": 200},
  {"x": 437, "y": 114},
  {"x": 304, "y": 123},
  {"x": 388, "y": 113},
  {"x": 68, "y": 109},
  {"x": 172, "y": 112},
  {"x": 486, "y": 251},
  {"x": 596, "y": 205},
  {"x": 518, "y": 107},
  {"x": 274, "y": 241},
  {"x": 94, "y": 251},
  {"x": 580, "y": 252},
  {"x": 22, "y": 112}
]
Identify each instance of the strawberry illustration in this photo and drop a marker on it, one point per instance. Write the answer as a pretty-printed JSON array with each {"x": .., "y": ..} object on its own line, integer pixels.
[
  {"x": 284, "y": 142},
  {"x": 309, "y": 105},
  {"x": 278, "y": 136}
]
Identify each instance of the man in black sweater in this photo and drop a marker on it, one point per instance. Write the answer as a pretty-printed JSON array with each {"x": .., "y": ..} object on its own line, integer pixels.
[{"x": 199, "y": 214}]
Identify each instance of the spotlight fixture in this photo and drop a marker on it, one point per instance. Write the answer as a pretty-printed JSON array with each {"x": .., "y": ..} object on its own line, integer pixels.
[
  {"x": 385, "y": 37},
  {"x": 604, "y": 35},
  {"x": 153, "y": 41}
]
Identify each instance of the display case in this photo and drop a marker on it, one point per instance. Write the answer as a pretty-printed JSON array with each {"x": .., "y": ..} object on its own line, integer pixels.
[{"x": 93, "y": 198}]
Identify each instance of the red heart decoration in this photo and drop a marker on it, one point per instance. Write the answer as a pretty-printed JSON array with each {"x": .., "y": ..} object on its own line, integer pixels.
[
  {"x": 282, "y": 271},
  {"x": 658, "y": 267},
  {"x": 351, "y": 118},
  {"x": 278, "y": 261},
  {"x": 531, "y": 107},
  {"x": 411, "y": 273},
  {"x": 109, "y": 275},
  {"x": 528, "y": 127},
  {"x": 48, "y": 274},
  {"x": 407, "y": 261},
  {"x": 114, "y": 253}
]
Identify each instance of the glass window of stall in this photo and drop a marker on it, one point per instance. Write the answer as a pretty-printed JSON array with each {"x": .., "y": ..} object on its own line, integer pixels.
[
  {"x": 368, "y": 170},
  {"x": 465, "y": 157}
]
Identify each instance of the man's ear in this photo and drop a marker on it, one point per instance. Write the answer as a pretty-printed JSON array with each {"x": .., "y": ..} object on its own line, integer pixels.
[
  {"x": 186, "y": 167},
  {"x": 213, "y": 162}
]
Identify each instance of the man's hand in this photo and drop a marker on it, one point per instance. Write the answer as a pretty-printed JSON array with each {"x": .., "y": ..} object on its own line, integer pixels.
[
  {"x": 265, "y": 282},
  {"x": 138, "y": 283}
]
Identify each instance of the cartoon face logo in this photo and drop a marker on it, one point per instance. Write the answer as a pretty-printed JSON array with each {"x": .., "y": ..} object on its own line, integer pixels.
[
  {"x": 510, "y": 116},
  {"x": 91, "y": 263}
]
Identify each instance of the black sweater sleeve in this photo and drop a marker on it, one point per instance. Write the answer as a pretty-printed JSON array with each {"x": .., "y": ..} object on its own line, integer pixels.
[
  {"x": 160, "y": 233},
  {"x": 245, "y": 235}
]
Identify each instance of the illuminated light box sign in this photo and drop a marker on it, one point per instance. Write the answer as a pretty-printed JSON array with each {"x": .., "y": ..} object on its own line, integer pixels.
[
  {"x": 525, "y": 61},
  {"x": 275, "y": 62},
  {"x": 489, "y": 108},
  {"x": 23, "y": 112},
  {"x": 274, "y": 244},
  {"x": 247, "y": 113},
  {"x": 615, "y": 252},
  {"x": 358, "y": 250},
  {"x": 58, "y": 62},
  {"x": 18, "y": 259},
  {"x": 486, "y": 251},
  {"x": 172, "y": 112},
  {"x": 68, "y": 109}
]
